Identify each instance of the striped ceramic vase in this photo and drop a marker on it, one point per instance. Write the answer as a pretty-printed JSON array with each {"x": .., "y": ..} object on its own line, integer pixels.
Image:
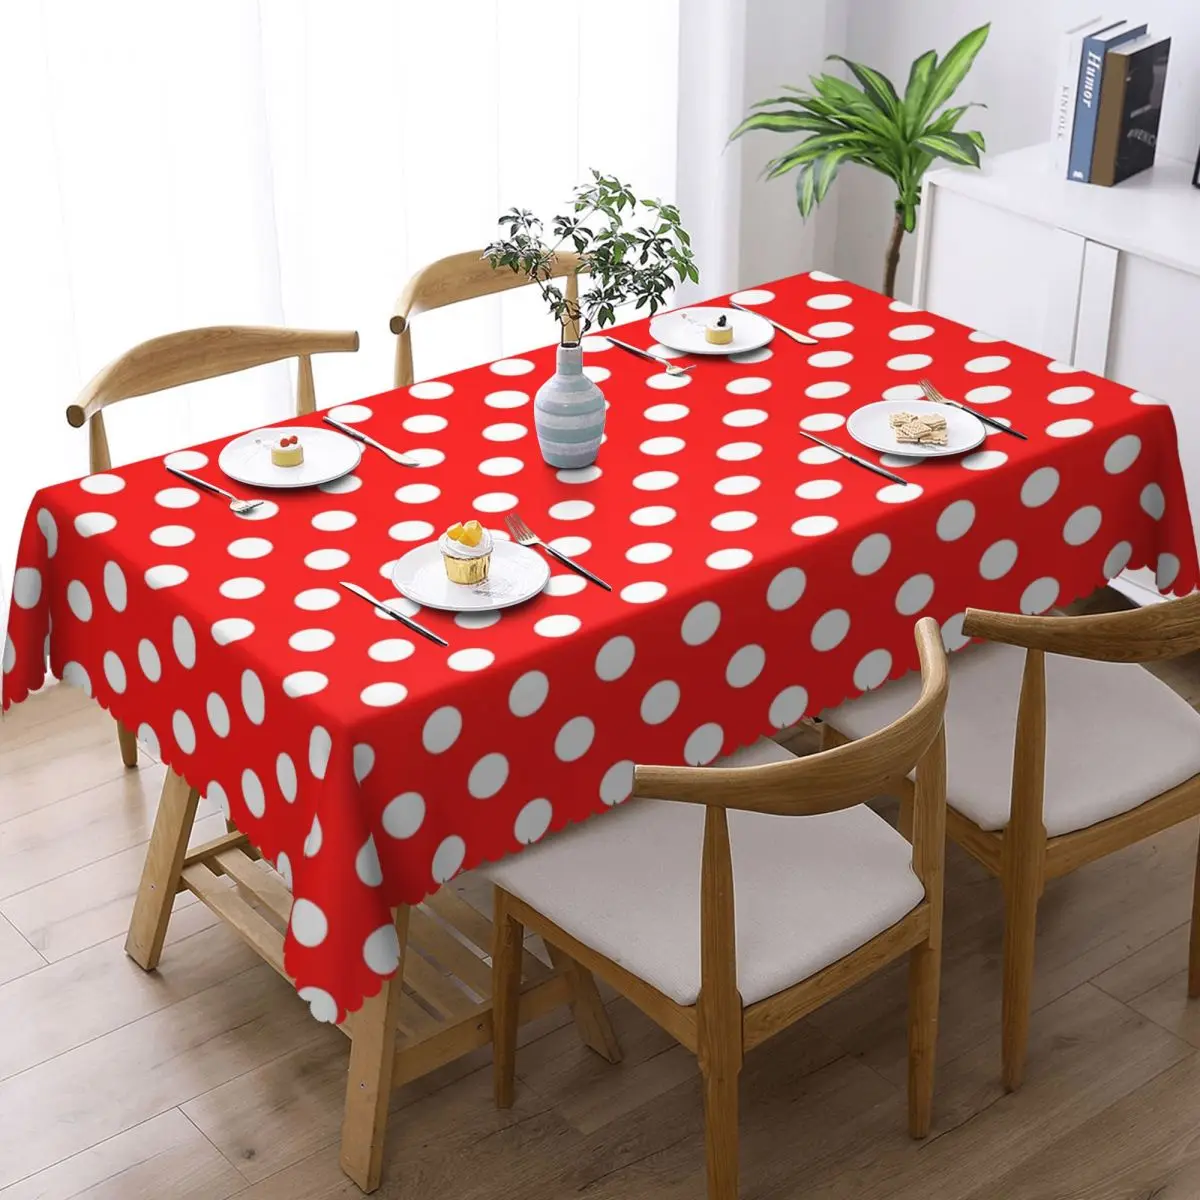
[{"x": 569, "y": 413}]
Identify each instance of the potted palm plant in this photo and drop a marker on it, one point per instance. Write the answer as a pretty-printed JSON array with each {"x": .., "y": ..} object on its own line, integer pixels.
[
  {"x": 872, "y": 124},
  {"x": 634, "y": 252}
]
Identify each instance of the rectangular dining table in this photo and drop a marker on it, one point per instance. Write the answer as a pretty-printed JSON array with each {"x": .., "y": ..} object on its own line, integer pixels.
[{"x": 757, "y": 580}]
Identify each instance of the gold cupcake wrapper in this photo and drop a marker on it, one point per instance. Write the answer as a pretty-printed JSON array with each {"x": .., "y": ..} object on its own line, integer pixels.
[{"x": 467, "y": 570}]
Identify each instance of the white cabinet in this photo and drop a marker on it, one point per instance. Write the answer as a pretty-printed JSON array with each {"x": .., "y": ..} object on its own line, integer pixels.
[{"x": 1105, "y": 278}]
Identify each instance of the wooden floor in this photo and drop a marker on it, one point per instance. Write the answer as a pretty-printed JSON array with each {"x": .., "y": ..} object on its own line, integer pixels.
[{"x": 208, "y": 1079}]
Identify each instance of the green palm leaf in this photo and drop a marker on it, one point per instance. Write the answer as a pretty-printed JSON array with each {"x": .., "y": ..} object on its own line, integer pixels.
[
  {"x": 951, "y": 71},
  {"x": 777, "y": 122},
  {"x": 957, "y": 147},
  {"x": 919, "y": 76}
]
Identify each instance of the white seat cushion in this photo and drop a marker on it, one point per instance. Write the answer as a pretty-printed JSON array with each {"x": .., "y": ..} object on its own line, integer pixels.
[
  {"x": 807, "y": 890},
  {"x": 1115, "y": 736}
]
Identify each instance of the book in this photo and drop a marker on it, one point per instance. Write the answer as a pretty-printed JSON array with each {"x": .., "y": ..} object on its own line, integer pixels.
[
  {"x": 1063, "y": 117},
  {"x": 1131, "y": 93},
  {"x": 1091, "y": 77}
]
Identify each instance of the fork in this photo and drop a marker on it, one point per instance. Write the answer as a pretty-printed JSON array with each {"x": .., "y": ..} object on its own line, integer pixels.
[
  {"x": 936, "y": 397},
  {"x": 524, "y": 536},
  {"x": 241, "y": 507},
  {"x": 669, "y": 367},
  {"x": 367, "y": 440}
]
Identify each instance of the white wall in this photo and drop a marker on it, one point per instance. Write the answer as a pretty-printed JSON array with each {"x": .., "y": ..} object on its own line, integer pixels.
[{"x": 1014, "y": 75}]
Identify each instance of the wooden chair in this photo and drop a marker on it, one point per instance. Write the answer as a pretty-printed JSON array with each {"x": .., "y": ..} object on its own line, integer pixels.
[
  {"x": 820, "y": 903},
  {"x": 463, "y": 277},
  {"x": 188, "y": 357},
  {"x": 1061, "y": 750}
]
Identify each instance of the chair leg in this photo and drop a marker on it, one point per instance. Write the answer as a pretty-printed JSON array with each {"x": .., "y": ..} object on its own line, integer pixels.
[
  {"x": 721, "y": 1133},
  {"x": 372, "y": 1061},
  {"x": 1194, "y": 944},
  {"x": 128, "y": 743},
  {"x": 831, "y": 738},
  {"x": 595, "y": 1029},
  {"x": 1020, "y": 935},
  {"x": 509, "y": 936},
  {"x": 924, "y": 983},
  {"x": 160, "y": 874}
]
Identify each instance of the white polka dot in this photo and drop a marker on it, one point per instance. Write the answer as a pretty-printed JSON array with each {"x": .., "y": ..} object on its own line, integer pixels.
[
  {"x": 304, "y": 683},
  {"x": 448, "y": 858},
  {"x": 1122, "y": 454},
  {"x": 729, "y": 559},
  {"x": 500, "y": 466},
  {"x": 1039, "y": 595},
  {"x": 956, "y": 520},
  {"x": 253, "y": 793},
  {"x": 572, "y": 742},
  {"x": 425, "y": 423},
  {"x": 49, "y": 528},
  {"x": 383, "y": 695},
  {"x": 400, "y": 604},
  {"x": 658, "y": 446},
  {"x": 425, "y": 456},
  {"x": 909, "y": 362},
  {"x": 814, "y": 526},
  {"x": 829, "y": 300},
  {"x": 596, "y": 374},
  {"x": 577, "y": 475},
  {"x": 115, "y": 588},
  {"x": 506, "y": 399},
  {"x": 785, "y": 589},
  {"x": 818, "y": 489},
  {"x": 184, "y": 642},
  {"x": 1144, "y": 398},
  {"x": 231, "y": 629},
  {"x": 1072, "y": 427},
  {"x": 149, "y": 739},
  {"x": 1071, "y": 395},
  {"x": 10, "y": 654},
  {"x": 752, "y": 296},
  {"x": 404, "y": 531},
  {"x": 614, "y": 658},
  {"x": 529, "y": 693},
  {"x": 186, "y": 460},
  {"x": 177, "y": 497},
  {"x": 218, "y": 714},
  {"x": 648, "y": 552},
  {"x": 333, "y": 521},
  {"x": 704, "y": 744},
  {"x": 172, "y": 535},
  {"x": 666, "y": 412},
  {"x": 830, "y": 329},
  {"x": 752, "y": 356},
  {"x": 114, "y": 672},
  {"x": 701, "y": 623},
  {"x": 905, "y": 391},
  {"x": 830, "y": 629},
  {"x": 417, "y": 493},
  {"x": 788, "y": 707},
  {"x": 557, "y": 585},
  {"x": 339, "y": 487},
  {"x": 309, "y": 924},
  {"x": 381, "y": 950},
  {"x": 898, "y": 493},
  {"x": 164, "y": 576},
  {"x": 667, "y": 383},
  {"x": 532, "y": 821},
  {"x": 310, "y": 640},
  {"x": 75, "y": 675},
  {"x": 351, "y": 414},
  {"x": 404, "y": 815},
  {"x": 441, "y": 729},
  {"x": 733, "y": 522},
  {"x": 1165, "y": 571},
  {"x": 1040, "y": 487},
  {"x": 103, "y": 485},
  {"x": 872, "y": 670},
  {"x": 79, "y": 600},
  {"x": 818, "y": 456},
  {"x": 739, "y": 451},
  {"x": 991, "y": 393},
  {"x": 660, "y": 701},
  {"x": 617, "y": 783},
  {"x": 655, "y": 481},
  {"x": 643, "y": 592},
  {"x": 986, "y": 364},
  {"x": 825, "y": 277},
  {"x": 571, "y": 545},
  {"x": 265, "y": 510},
  {"x": 556, "y": 626},
  {"x": 91, "y": 523},
  {"x": 1082, "y": 525},
  {"x": 977, "y": 335},
  {"x": 745, "y": 666},
  {"x": 244, "y": 587},
  {"x": 314, "y": 840},
  {"x": 254, "y": 699},
  {"x": 1153, "y": 501},
  {"x": 827, "y": 359},
  {"x": 828, "y": 390},
  {"x": 743, "y": 418},
  {"x": 321, "y": 1005},
  {"x": 326, "y": 560},
  {"x": 368, "y": 870},
  {"x": 473, "y": 659},
  {"x": 285, "y": 776},
  {"x": 914, "y": 594},
  {"x": 488, "y": 776},
  {"x": 985, "y": 460},
  {"x": 183, "y": 731},
  {"x": 748, "y": 386},
  {"x": 216, "y": 793},
  {"x": 1061, "y": 368},
  {"x": 736, "y": 485},
  {"x": 953, "y": 637},
  {"x": 1118, "y": 559},
  {"x": 820, "y": 422},
  {"x": 595, "y": 343},
  {"x": 910, "y": 333},
  {"x": 389, "y": 649},
  {"x": 871, "y": 553},
  {"x": 998, "y": 559},
  {"x": 512, "y": 366},
  {"x": 283, "y": 867},
  {"x": 653, "y": 514},
  {"x": 320, "y": 744},
  {"x": 504, "y": 431},
  {"x": 494, "y": 502}
]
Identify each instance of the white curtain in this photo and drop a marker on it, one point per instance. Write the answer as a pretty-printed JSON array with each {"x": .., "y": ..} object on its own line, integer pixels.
[{"x": 175, "y": 163}]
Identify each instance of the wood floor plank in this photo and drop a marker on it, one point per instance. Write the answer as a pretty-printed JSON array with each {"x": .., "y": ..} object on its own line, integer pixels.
[
  {"x": 1145, "y": 969},
  {"x": 17, "y": 956}
]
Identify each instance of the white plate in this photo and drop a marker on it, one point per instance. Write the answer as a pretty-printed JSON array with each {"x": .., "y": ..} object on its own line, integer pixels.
[
  {"x": 684, "y": 330},
  {"x": 869, "y": 425},
  {"x": 517, "y": 574},
  {"x": 327, "y": 456}
]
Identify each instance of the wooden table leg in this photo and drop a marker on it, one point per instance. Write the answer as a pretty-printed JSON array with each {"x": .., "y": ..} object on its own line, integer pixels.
[
  {"x": 160, "y": 875},
  {"x": 127, "y": 740},
  {"x": 369, "y": 1086},
  {"x": 587, "y": 1008}
]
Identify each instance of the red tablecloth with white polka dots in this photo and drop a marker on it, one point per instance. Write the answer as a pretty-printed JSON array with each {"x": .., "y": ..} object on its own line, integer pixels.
[{"x": 757, "y": 578}]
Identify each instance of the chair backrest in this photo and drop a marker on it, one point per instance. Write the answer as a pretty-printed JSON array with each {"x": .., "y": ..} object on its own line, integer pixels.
[
  {"x": 192, "y": 355},
  {"x": 458, "y": 277}
]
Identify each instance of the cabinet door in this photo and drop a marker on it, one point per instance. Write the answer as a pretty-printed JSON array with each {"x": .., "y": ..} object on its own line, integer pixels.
[{"x": 999, "y": 272}]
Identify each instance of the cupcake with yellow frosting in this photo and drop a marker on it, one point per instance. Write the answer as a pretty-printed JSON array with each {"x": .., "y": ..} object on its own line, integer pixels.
[{"x": 466, "y": 552}]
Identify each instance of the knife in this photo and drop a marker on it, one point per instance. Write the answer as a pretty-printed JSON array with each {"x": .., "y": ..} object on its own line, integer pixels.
[
  {"x": 367, "y": 440},
  {"x": 803, "y": 338},
  {"x": 363, "y": 594}
]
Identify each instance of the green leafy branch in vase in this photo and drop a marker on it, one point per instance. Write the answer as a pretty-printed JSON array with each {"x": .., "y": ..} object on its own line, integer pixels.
[
  {"x": 873, "y": 125},
  {"x": 635, "y": 251}
]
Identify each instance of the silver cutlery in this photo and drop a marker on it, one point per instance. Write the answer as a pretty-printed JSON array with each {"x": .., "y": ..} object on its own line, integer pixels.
[
  {"x": 936, "y": 397},
  {"x": 854, "y": 458},
  {"x": 415, "y": 626},
  {"x": 666, "y": 364},
  {"x": 241, "y": 507},
  {"x": 524, "y": 536},
  {"x": 802, "y": 338},
  {"x": 367, "y": 440}
]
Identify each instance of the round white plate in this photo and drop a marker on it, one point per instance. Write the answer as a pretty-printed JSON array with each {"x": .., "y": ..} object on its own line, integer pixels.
[
  {"x": 327, "y": 456},
  {"x": 870, "y": 426},
  {"x": 684, "y": 330},
  {"x": 517, "y": 574}
]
